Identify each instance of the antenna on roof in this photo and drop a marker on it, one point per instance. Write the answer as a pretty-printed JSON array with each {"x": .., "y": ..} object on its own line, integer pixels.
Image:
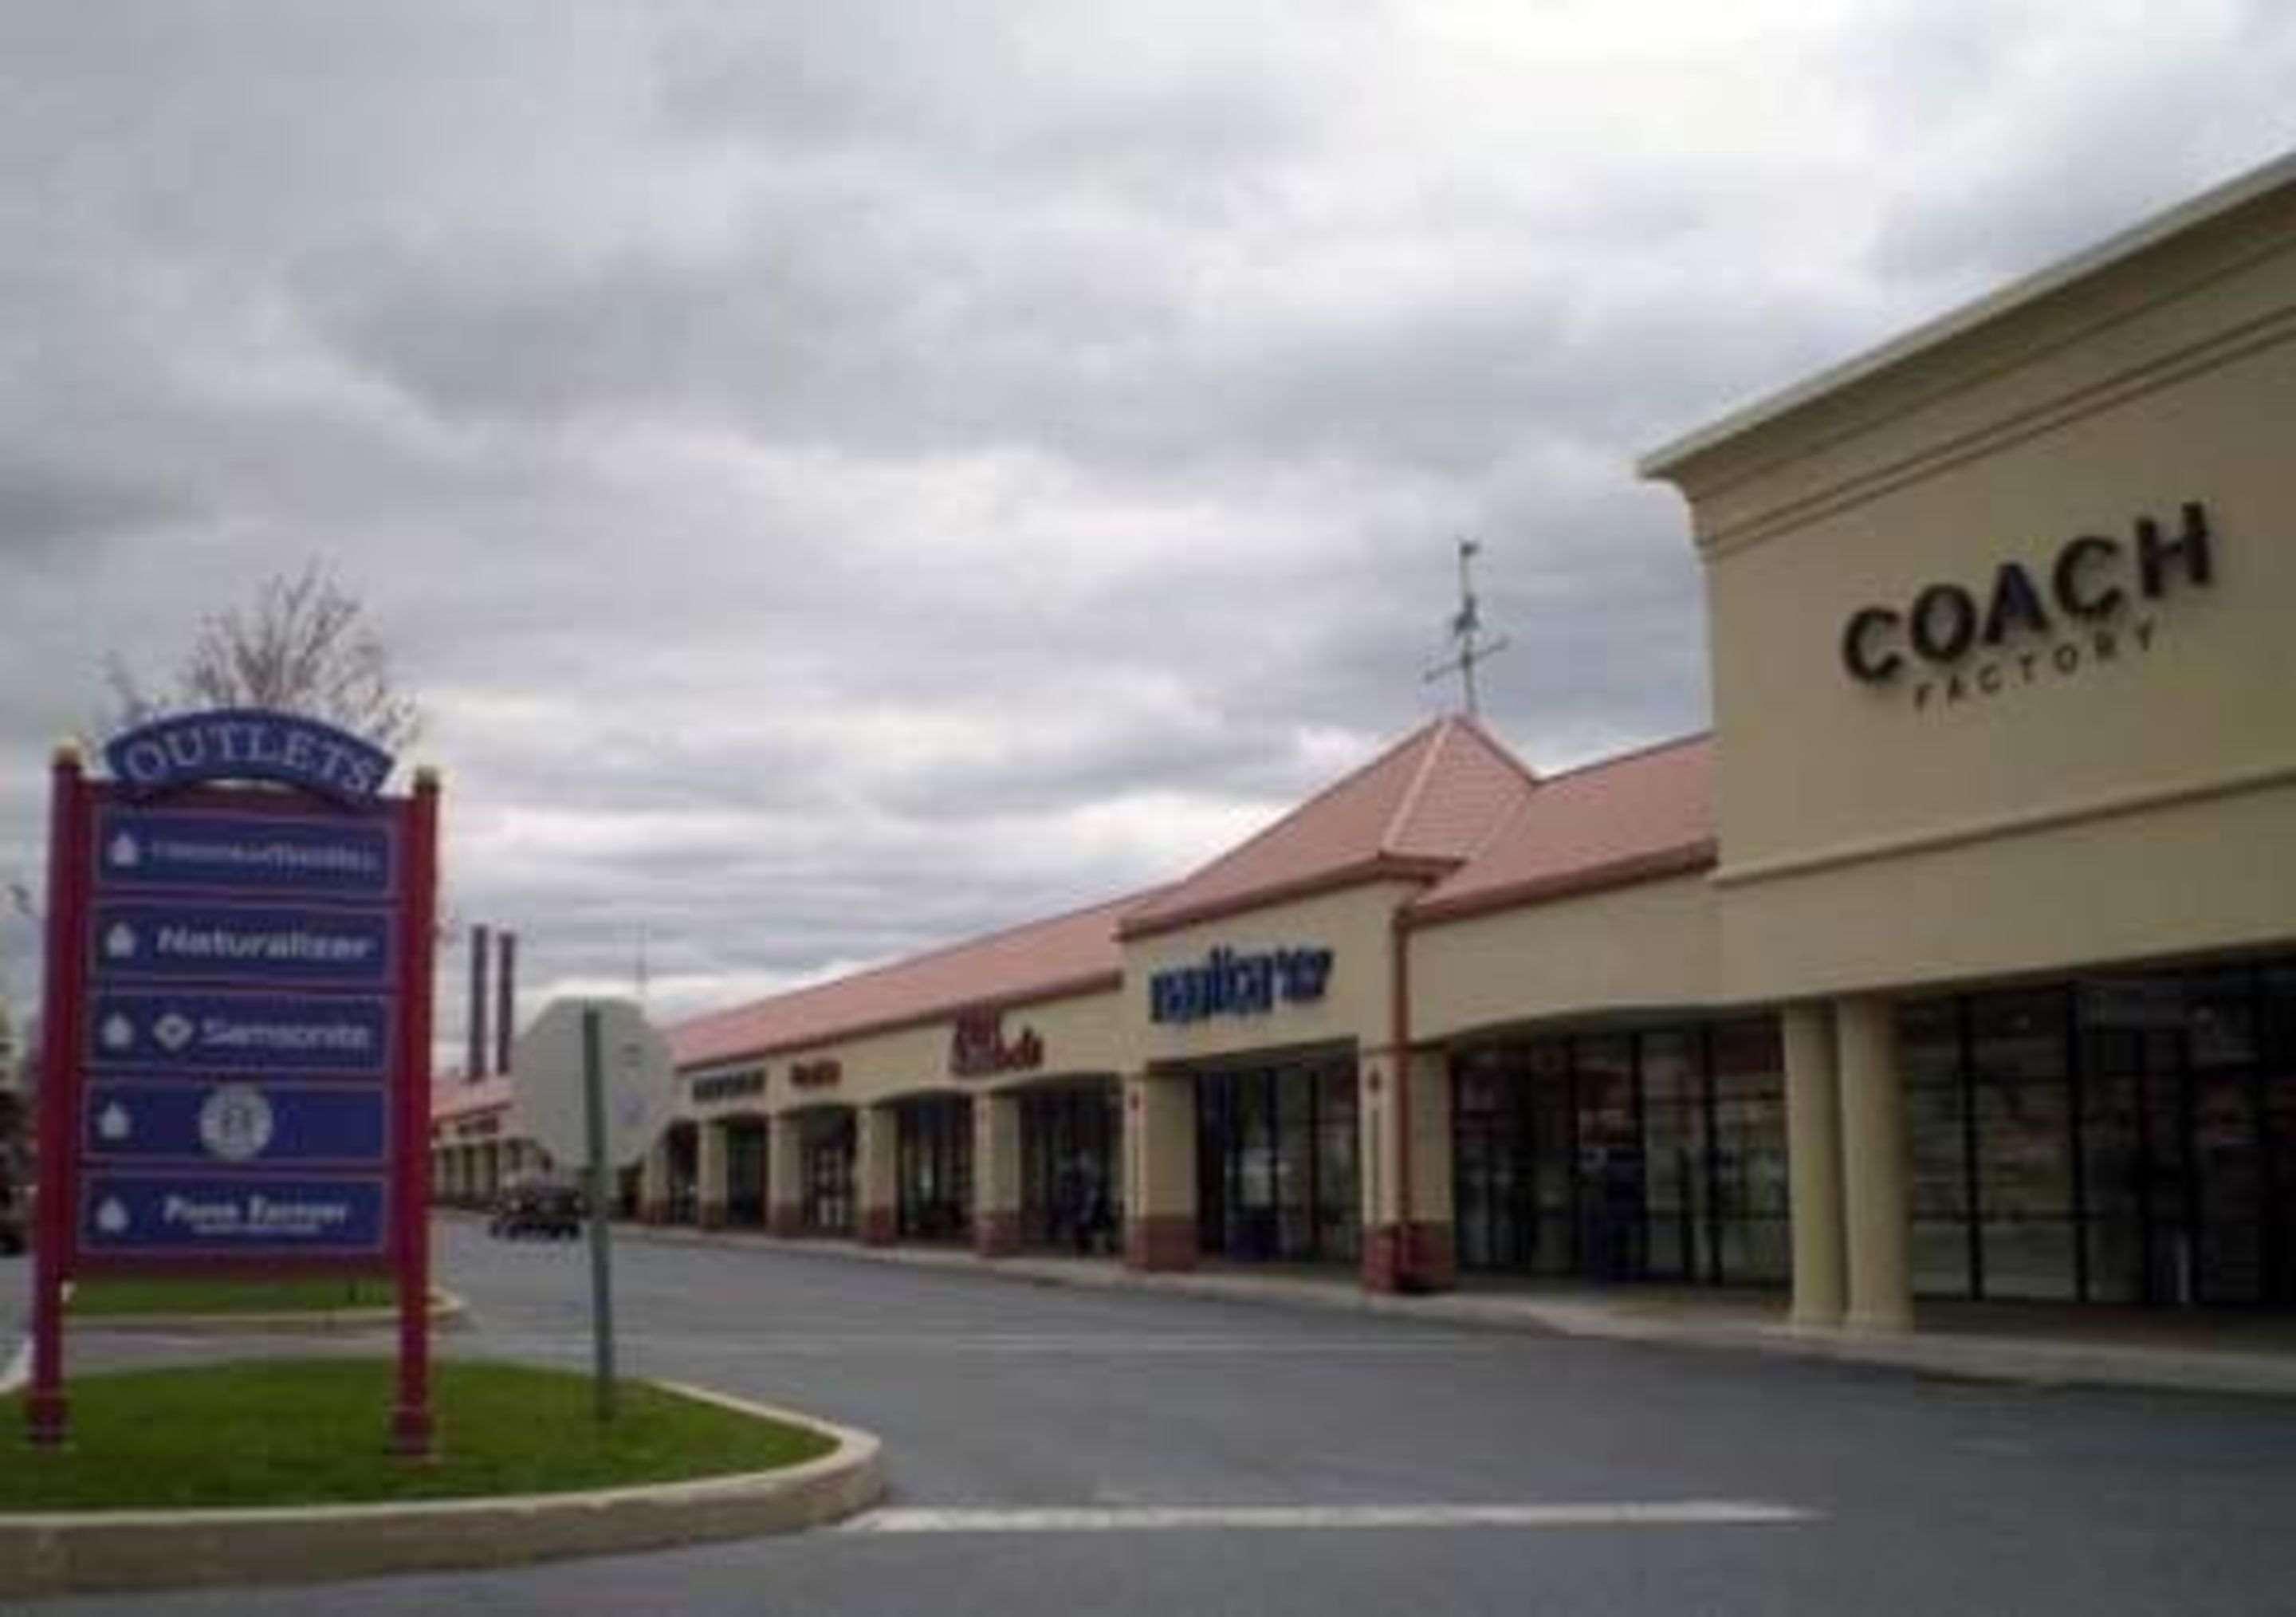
[{"x": 1466, "y": 631}]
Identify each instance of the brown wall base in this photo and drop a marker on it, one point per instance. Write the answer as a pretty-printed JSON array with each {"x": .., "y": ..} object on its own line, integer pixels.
[
  {"x": 996, "y": 1234},
  {"x": 786, "y": 1221},
  {"x": 713, "y": 1215},
  {"x": 879, "y": 1227},
  {"x": 1164, "y": 1242},
  {"x": 1434, "y": 1264},
  {"x": 653, "y": 1212}
]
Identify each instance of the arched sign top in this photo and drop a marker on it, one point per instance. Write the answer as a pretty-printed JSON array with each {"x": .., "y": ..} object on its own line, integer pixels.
[{"x": 248, "y": 744}]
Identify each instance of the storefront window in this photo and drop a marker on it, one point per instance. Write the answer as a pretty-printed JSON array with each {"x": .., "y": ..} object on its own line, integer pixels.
[
  {"x": 1070, "y": 1139},
  {"x": 1657, "y": 1154},
  {"x": 1276, "y": 1174},
  {"x": 934, "y": 1167},
  {"x": 2122, "y": 1139},
  {"x": 825, "y": 1159}
]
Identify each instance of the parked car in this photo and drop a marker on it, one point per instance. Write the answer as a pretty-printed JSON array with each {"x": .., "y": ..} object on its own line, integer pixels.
[
  {"x": 538, "y": 1206},
  {"x": 15, "y": 1216}
]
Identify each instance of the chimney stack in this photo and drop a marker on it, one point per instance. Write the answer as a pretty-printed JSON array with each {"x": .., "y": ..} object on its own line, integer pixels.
[
  {"x": 505, "y": 998},
  {"x": 477, "y": 1068}
]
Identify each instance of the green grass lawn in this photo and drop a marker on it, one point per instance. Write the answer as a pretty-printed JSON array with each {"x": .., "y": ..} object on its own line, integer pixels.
[
  {"x": 289, "y": 1432},
  {"x": 93, "y": 1299}
]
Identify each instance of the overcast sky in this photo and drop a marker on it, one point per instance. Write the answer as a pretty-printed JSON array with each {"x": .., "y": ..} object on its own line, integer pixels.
[{"x": 844, "y": 476}]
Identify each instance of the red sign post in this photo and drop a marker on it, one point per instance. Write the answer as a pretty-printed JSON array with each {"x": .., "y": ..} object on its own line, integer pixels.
[{"x": 235, "y": 1057}]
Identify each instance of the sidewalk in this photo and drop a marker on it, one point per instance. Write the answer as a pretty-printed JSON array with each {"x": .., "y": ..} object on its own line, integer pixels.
[{"x": 2039, "y": 1345}]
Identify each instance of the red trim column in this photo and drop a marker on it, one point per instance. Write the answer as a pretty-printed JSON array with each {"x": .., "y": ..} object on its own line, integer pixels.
[
  {"x": 410, "y": 1417},
  {"x": 785, "y": 1175},
  {"x": 1160, "y": 1171},
  {"x": 1417, "y": 1250},
  {"x": 995, "y": 1174},
  {"x": 47, "y": 1413}
]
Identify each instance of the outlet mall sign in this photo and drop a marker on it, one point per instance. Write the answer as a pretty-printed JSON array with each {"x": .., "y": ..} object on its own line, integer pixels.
[
  {"x": 2094, "y": 602},
  {"x": 238, "y": 991}
]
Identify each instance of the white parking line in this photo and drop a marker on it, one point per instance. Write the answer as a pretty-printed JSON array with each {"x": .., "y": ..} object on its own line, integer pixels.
[{"x": 1167, "y": 1518}]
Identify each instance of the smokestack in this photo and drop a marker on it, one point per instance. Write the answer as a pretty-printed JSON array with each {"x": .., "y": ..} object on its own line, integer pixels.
[
  {"x": 505, "y": 995},
  {"x": 478, "y": 1063}
]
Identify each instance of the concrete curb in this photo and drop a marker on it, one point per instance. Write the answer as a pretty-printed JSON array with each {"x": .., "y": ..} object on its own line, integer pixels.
[
  {"x": 85, "y": 1552},
  {"x": 2047, "y": 1362},
  {"x": 446, "y": 1310}
]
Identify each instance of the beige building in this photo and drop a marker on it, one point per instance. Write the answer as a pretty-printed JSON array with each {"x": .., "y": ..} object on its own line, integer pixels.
[{"x": 1958, "y": 961}]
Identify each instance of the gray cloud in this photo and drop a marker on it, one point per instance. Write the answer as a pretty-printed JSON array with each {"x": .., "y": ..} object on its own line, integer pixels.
[{"x": 847, "y": 478}]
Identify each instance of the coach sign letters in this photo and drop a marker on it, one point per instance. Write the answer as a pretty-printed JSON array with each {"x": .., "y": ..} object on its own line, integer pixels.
[{"x": 2091, "y": 603}]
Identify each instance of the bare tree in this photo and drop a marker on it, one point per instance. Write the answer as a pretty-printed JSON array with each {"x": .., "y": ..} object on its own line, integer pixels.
[{"x": 301, "y": 648}]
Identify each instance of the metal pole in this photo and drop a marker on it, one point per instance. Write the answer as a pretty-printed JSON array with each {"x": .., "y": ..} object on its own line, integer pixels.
[{"x": 601, "y": 1282}]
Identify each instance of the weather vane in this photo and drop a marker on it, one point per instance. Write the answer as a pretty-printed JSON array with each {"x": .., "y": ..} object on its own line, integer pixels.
[{"x": 1466, "y": 631}]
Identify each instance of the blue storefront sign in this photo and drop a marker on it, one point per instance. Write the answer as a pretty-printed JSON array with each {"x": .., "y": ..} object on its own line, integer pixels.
[
  {"x": 196, "y": 1033},
  {"x": 264, "y": 853},
  {"x": 123, "y": 1215},
  {"x": 348, "y": 949},
  {"x": 248, "y": 744},
  {"x": 234, "y": 1122}
]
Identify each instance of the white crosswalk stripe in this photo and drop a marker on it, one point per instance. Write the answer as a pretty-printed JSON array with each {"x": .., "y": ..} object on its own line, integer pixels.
[{"x": 1170, "y": 1518}]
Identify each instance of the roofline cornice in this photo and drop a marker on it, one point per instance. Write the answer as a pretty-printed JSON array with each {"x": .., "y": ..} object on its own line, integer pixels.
[
  {"x": 1104, "y": 981},
  {"x": 1383, "y": 866},
  {"x": 1682, "y": 859}
]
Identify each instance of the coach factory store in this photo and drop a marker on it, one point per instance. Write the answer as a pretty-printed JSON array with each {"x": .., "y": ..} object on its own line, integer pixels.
[{"x": 1958, "y": 961}]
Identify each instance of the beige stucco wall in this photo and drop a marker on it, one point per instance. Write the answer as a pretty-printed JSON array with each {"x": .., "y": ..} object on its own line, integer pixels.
[
  {"x": 1355, "y": 923},
  {"x": 1653, "y": 944},
  {"x": 2139, "y": 807}
]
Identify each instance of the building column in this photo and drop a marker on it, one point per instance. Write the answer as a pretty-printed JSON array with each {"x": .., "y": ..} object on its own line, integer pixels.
[
  {"x": 653, "y": 1183},
  {"x": 1814, "y": 1162},
  {"x": 1876, "y": 1212},
  {"x": 1160, "y": 1171},
  {"x": 785, "y": 1175},
  {"x": 995, "y": 1174},
  {"x": 877, "y": 1188},
  {"x": 710, "y": 1148},
  {"x": 1420, "y": 1254}
]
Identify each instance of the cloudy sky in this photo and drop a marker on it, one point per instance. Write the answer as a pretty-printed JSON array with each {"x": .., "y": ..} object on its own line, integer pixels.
[{"x": 839, "y": 477}]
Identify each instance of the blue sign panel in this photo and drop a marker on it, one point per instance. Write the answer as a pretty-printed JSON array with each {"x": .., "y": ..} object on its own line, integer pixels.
[
  {"x": 235, "y": 1122},
  {"x": 248, "y": 744},
  {"x": 263, "y": 852},
  {"x": 323, "y": 948},
  {"x": 123, "y": 1215},
  {"x": 200, "y": 1033},
  {"x": 1230, "y": 984}
]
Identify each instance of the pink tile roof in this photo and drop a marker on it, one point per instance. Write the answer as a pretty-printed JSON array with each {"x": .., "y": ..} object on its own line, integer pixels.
[
  {"x": 1038, "y": 960},
  {"x": 454, "y": 1096},
  {"x": 1628, "y": 819},
  {"x": 1420, "y": 808}
]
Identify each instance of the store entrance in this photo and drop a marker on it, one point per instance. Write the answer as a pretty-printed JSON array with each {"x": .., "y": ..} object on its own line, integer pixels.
[{"x": 1277, "y": 1175}]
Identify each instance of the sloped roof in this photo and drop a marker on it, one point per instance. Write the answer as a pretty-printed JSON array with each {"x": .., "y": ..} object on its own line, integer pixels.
[
  {"x": 1625, "y": 819},
  {"x": 1419, "y": 808},
  {"x": 455, "y": 1095},
  {"x": 1038, "y": 960}
]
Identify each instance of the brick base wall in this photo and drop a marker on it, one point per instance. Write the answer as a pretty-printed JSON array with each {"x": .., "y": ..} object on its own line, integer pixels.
[
  {"x": 1165, "y": 1242},
  {"x": 879, "y": 1226},
  {"x": 713, "y": 1215},
  {"x": 653, "y": 1212},
  {"x": 787, "y": 1221},
  {"x": 996, "y": 1234},
  {"x": 1435, "y": 1253}
]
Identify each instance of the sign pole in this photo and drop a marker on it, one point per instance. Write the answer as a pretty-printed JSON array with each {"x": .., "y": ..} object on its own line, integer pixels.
[
  {"x": 47, "y": 1413},
  {"x": 411, "y": 1428},
  {"x": 601, "y": 1282}
]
